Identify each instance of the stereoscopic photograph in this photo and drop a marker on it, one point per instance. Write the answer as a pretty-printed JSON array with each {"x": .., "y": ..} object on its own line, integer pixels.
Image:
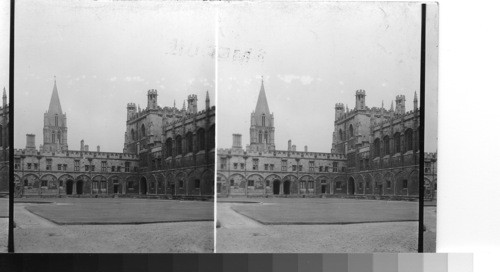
[
  {"x": 114, "y": 127},
  {"x": 319, "y": 123}
]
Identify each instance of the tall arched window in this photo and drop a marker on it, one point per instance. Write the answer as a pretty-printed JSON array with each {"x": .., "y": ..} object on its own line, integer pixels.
[
  {"x": 53, "y": 137},
  {"x": 143, "y": 131},
  {"x": 376, "y": 148},
  {"x": 397, "y": 142},
  {"x": 168, "y": 144},
  {"x": 409, "y": 139},
  {"x": 263, "y": 120},
  {"x": 59, "y": 137},
  {"x": 211, "y": 137},
  {"x": 178, "y": 144},
  {"x": 132, "y": 134},
  {"x": 340, "y": 135},
  {"x": 57, "y": 120},
  {"x": 201, "y": 139},
  {"x": 265, "y": 137},
  {"x": 387, "y": 147},
  {"x": 351, "y": 131},
  {"x": 189, "y": 142},
  {"x": 260, "y": 137}
]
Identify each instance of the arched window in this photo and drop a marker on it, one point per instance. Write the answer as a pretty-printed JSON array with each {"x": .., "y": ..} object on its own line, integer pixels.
[
  {"x": 201, "y": 139},
  {"x": 168, "y": 144},
  {"x": 178, "y": 144},
  {"x": 351, "y": 131},
  {"x": 189, "y": 142},
  {"x": 376, "y": 148},
  {"x": 57, "y": 120},
  {"x": 59, "y": 137},
  {"x": 397, "y": 142},
  {"x": 340, "y": 135},
  {"x": 211, "y": 137},
  {"x": 53, "y": 137},
  {"x": 132, "y": 134},
  {"x": 265, "y": 137},
  {"x": 263, "y": 120},
  {"x": 409, "y": 139},
  {"x": 260, "y": 137},
  {"x": 387, "y": 147},
  {"x": 143, "y": 131}
]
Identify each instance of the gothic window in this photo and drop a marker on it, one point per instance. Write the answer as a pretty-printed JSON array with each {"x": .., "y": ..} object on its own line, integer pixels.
[
  {"x": 376, "y": 148},
  {"x": 127, "y": 166},
  {"x": 242, "y": 166},
  {"x": 201, "y": 139},
  {"x": 311, "y": 166},
  {"x": 132, "y": 134},
  {"x": 178, "y": 144},
  {"x": 235, "y": 166},
  {"x": 351, "y": 131},
  {"x": 263, "y": 120},
  {"x": 53, "y": 137},
  {"x": 189, "y": 142},
  {"x": 251, "y": 183},
  {"x": 211, "y": 137},
  {"x": 265, "y": 137},
  {"x": 49, "y": 165},
  {"x": 59, "y": 137},
  {"x": 397, "y": 143},
  {"x": 340, "y": 135},
  {"x": 169, "y": 147},
  {"x": 104, "y": 166},
  {"x": 255, "y": 164},
  {"x": 143, "y": 131},
  {"x": 387, "y": 148},
  {"x": 271, "y": 167},
  {"x": 409, "y": 139},
  {"x": 302, "y": 184},
  {"x": 283, "y": 165},
  {"x": 260, "y": 137},
  {"x": 311, "y": 184}
]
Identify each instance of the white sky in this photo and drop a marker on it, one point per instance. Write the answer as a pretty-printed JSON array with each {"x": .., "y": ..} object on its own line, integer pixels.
[
  {"x": 316, "y": 55},
  {"x": 4, "y": 44},
  {"x": 106, "y": 55}
]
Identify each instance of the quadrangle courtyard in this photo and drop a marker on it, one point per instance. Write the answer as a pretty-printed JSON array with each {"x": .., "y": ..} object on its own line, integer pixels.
[{"x": 112, "y": 225}]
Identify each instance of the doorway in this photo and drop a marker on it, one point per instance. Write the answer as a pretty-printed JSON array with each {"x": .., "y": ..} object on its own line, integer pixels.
[
  {"x": 79, "y": 187},
  {"x": 144, "y": 186},
  {"x": 351, "y": 186},
  {"x": 276, "y": 187},
  {"x": 286, "y": 187},
  {"x": 69, "y": 187}
]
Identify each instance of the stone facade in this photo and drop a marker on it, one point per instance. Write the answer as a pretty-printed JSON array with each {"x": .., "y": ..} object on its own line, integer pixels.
[
  {"x": 375, "y": 154},
  {"x": 4, "y": 146},
  {"x": 144, "y": 168}
]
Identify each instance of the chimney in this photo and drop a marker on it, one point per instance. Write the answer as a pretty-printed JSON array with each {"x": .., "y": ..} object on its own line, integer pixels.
[
  {"x": 82, "y": 145},
  {"x": 98, "y": 149},
  {"x": 86, "y": 147},
  {"x": 30, "y": 142},
  {"x": 237, "y": 141},
  {"x": 305, "y": 148},
  {"x": 289, "y": 145}
]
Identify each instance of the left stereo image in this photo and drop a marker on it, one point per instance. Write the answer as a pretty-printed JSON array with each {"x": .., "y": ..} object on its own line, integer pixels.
[{"x": 114, "y": 129}]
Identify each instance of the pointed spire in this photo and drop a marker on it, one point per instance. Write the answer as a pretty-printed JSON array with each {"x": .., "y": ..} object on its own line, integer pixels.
[
  {"x": 207, "y": 97},
  {"x": 184, "y": 105},
  {"x": 4, "y": 92},
  {"x": 262, "y": 106},
  {"x": 382, "y": 104},
  {"x": 207, "y": 101},
  {"x": 55, "y": 104},
  {"x": 415, "y": 96},
  {"x": 4, "y": 97},
  {"x": 392, "y": 105}
]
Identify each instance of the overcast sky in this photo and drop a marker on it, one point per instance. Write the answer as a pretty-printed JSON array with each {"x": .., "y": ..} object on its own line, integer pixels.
[
  {"x": 316, "y": 55},
  {"x": 106, "y": 55},
  {"x": 4, "y": 44}
]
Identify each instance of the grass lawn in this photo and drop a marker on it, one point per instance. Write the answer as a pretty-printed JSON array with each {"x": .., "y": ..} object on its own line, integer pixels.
[
  {"x": 328, "y": 211},
  {"x": 73, "y": 211}
]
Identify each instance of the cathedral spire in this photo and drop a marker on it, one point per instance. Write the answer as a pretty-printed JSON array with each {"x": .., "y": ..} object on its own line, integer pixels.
[
  {"x": 262, "y": 106},
  {"x": 55, "y": 104}
]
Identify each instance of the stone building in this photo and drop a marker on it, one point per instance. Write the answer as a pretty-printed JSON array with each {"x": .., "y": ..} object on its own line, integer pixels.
[
  {"x": 4, "y": 146},
  {"x": 374, "y": 154},
  {"x": 144, "y": 167}
]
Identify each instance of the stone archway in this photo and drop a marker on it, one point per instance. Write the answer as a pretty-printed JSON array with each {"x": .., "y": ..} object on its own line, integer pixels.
[
  {"x": 286, "y": 187},
  {"x": 69, "y": 187},
  {"x": 276, "y": 187},
  {"x": 144, "y": 186},
  {"x": 79, "y": 187},
  {"x": 350, "y": 185}
]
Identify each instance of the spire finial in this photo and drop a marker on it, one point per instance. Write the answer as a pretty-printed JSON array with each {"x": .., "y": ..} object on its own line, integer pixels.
[
  {"x": 382, "y": 104},
  {"x": 207, "y": 97},
  {"x": 415, "y": 96}
]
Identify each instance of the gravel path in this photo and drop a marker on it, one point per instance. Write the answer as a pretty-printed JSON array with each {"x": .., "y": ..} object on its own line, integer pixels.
[
  {"x": 36, "y": 235},
  {"x": 240, "y": 234}
]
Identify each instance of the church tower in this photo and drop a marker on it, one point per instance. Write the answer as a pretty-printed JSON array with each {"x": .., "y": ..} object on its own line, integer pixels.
[
  {"x": 262, "y": 125},
  {"x": 55, "y": 131}
]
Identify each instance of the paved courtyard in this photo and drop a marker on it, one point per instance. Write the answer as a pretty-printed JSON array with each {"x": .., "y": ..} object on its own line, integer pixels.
[
  {"x": 113, "y": 225},
  {"x": 4, "y": 223},
  {"x": 316, "y": 225}
]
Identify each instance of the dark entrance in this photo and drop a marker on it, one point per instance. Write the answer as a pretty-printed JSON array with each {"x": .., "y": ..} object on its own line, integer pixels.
[
  {"x": 79, "y": 187},
  {"x": 69, "y": 187},
  {"x": 172, "y": 189},
  {"x": 144, "y": 186},
  {"x": 276, "y": 187},
  {"x": 351, "y": 186},
  {"x": 323, "y": 188},
  {"x": 286, "y": 187},
  {"x": 116, "y": 188}
]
